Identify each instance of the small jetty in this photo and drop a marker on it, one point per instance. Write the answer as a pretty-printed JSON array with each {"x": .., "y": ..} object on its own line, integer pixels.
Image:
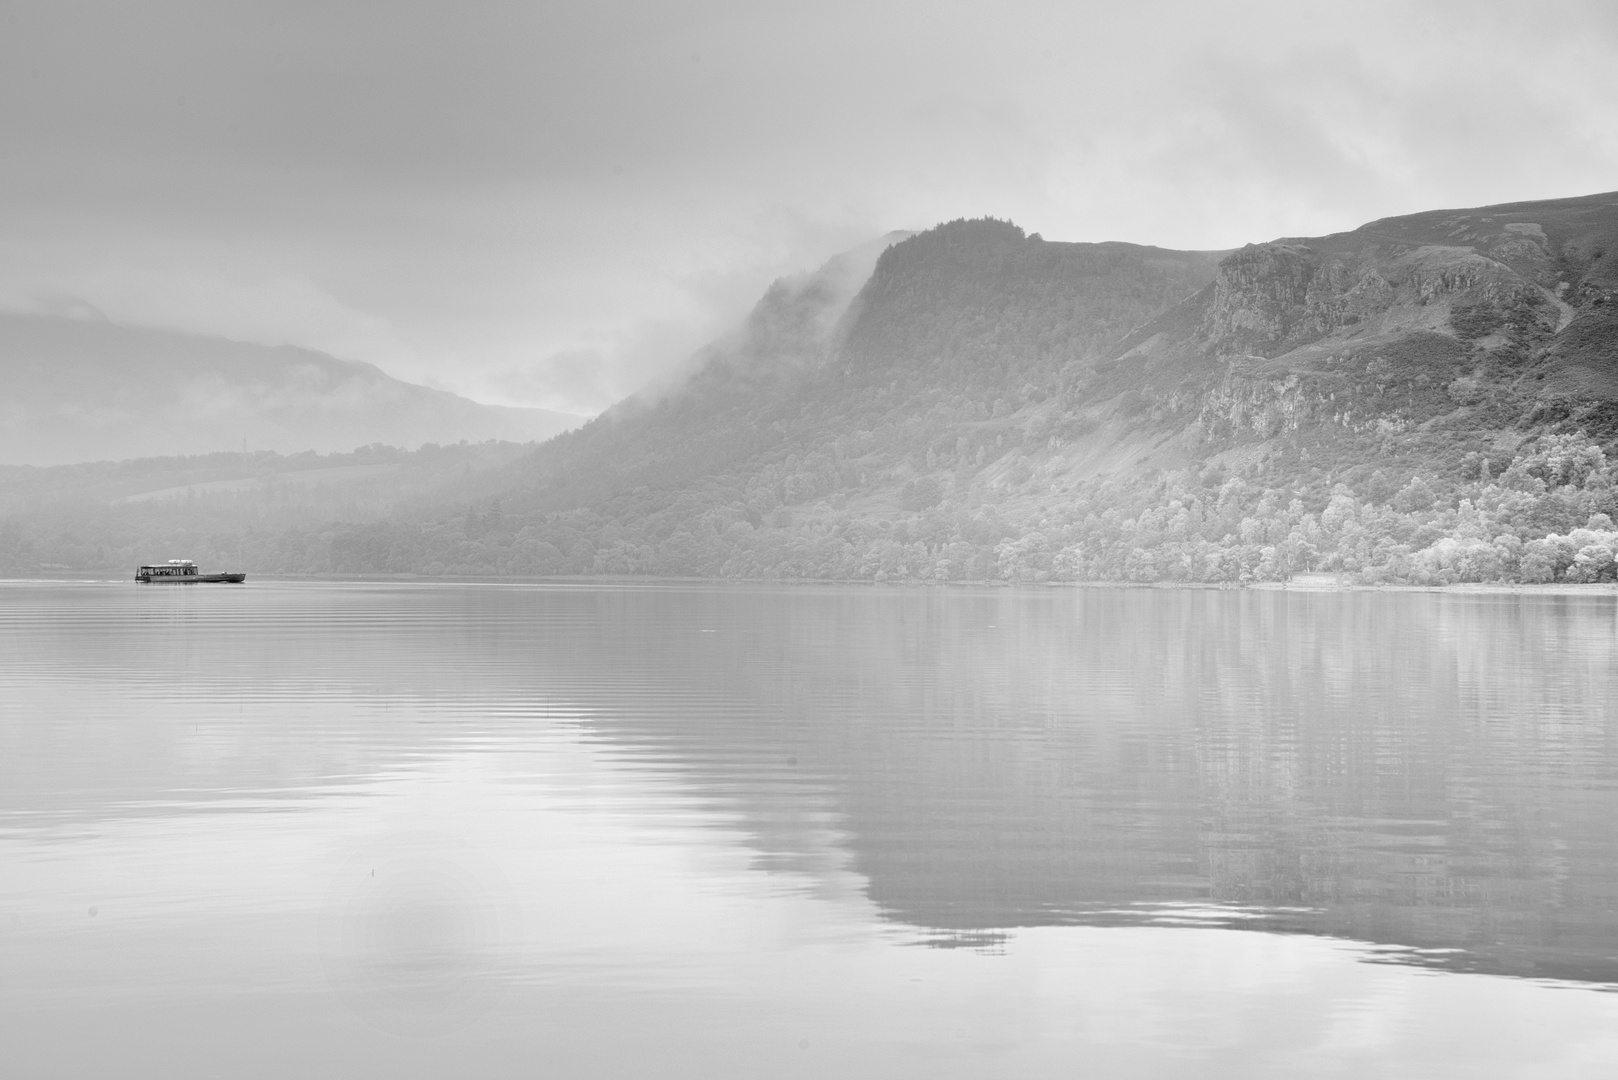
[{"x": 182, "y": 572}]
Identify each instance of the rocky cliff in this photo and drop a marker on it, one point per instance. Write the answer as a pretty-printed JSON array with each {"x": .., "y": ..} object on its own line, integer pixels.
[{"x": 1474, "y": 320}]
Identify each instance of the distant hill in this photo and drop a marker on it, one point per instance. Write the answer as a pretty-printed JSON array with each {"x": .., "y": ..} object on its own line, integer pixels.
[
  {"x": 108, "y": 516},
  {"x": 1429, "y": 398},
  {"x": 82, "y": 390}
]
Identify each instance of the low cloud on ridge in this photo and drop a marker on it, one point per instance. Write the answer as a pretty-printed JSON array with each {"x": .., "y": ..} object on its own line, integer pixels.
[{"x": 550, "y": 206}]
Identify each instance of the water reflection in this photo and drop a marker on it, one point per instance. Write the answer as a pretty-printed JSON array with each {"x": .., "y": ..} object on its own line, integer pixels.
[
  {"x": 1435, "y": 771},
  {"x": 480, "y": 809},
  {"x": 1429, "y": 770},
  {"x": 417, "y": 927}
]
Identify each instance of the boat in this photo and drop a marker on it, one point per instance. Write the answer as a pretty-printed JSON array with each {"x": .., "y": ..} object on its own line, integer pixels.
[{"x": 181, "y": 572}]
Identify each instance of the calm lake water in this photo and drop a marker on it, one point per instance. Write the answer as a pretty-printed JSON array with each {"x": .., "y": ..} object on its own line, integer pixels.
[{"x": 400, "y": 830}]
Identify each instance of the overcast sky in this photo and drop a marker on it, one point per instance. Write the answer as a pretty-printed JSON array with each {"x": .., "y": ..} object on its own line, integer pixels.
[{"x": 542, "y": 203}]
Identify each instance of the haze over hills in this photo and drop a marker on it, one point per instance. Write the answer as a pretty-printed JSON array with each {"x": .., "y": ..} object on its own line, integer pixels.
[
  {"x": 1427, "y": 398},
  {"x": 79, "y": 390}
]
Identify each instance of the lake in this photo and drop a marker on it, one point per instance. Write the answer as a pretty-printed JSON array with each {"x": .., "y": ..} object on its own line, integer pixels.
[{"x": 433, "y": 829}]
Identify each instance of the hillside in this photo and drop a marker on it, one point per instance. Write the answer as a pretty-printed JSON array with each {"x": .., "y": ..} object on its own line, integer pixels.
[
  {"x": 107, "y": 517},
  {"x": 1428, "y": 398},
  {"x": 80, "y": 390},
  {"x": 829, "y": 397}
]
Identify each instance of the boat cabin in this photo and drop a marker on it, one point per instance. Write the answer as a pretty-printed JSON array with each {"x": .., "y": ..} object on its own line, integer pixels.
[{"x": 172, "y": 568}]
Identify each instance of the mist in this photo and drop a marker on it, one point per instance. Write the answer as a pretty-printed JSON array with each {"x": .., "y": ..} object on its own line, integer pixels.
[{"x": 549, "y": 207}]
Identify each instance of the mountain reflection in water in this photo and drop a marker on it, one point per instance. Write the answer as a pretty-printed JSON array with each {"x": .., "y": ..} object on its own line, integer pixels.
[
  {"x": 1426, "y": 770},
  {"x": 529, "y": 817}
]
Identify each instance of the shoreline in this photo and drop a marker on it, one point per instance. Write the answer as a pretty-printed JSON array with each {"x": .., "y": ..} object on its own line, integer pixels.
[
  {"x": 1313, "y": 583},
  {"x": 1548, "y": 588}
]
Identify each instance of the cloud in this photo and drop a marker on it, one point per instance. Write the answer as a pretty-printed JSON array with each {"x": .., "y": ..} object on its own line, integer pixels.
[
  {"x": 270, "y": 311},
  {"x": 585, "y": 380},
  {"x": 574, "y": 380},
  {"x": 555, "y": 200}
]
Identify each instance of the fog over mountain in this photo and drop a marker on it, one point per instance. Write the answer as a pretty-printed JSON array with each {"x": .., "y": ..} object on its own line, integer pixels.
[
  {"x": 551, "y": 204},
  {"x": 79, "y": 388}
]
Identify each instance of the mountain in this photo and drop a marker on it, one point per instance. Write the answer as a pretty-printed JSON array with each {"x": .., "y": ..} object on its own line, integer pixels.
[
  {"x": 1429, "y": 398},
  {"x": 954, "y": 328},
  {"x": 84, "y": 390},
  {"x": 1447, "y": 323}
]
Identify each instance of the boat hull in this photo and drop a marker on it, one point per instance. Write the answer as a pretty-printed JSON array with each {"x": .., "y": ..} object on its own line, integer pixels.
[{"x": 193, "y": 579}]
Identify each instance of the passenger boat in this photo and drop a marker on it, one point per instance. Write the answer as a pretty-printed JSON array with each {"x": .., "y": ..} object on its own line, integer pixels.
[{"x": 180, "y": 572}]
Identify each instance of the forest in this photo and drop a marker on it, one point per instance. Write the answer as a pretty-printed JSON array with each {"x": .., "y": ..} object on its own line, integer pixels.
[{"x": 1544, "y": 515}]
